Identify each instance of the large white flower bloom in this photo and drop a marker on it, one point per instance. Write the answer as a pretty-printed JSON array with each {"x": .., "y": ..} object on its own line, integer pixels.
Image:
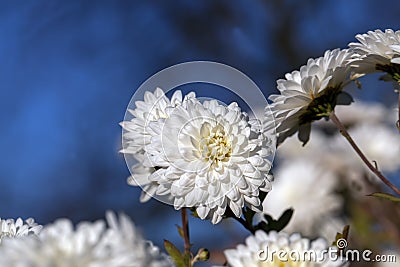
[
  {"x": 376, "y": 51},
  {"x": 10, "y": 228},
  {"x": 207, "y": 155},
  {"x": 89, "y": 245},
  {"x": 259, "y": 251},
  {"x": 309, "y": 190},
  {"x": 310, "y": 94}
]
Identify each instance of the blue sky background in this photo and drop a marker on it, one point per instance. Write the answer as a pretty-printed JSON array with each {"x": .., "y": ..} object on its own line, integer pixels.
[{"x": 69, "y": 68}]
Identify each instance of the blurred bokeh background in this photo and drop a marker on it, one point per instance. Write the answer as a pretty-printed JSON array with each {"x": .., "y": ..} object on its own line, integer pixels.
[{"x": 69, "y": 68}]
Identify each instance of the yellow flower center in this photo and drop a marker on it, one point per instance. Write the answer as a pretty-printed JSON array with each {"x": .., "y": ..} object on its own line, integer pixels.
[{"x": 216, "y": 146}]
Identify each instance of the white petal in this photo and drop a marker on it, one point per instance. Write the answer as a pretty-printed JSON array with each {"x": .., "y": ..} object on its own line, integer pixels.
[{"x": 202, "y": 211}]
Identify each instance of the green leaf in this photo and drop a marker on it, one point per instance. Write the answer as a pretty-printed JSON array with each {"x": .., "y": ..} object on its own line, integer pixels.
[
  {"x": 248, "y": 215},
  {"x": 392, "y": 69},
  {"x": 304, "y": 133},
  {"x": 262, "y": 195},
  {"x": 358, "y": 84},
  {"x": 175, "y": 254},
  {"x": 180, "y": 230},
  {"x": 387, "y": 77},
  {"x": 269, "y": 219},
  {"x": 386, "y": 196},
  {"x": 194, "y": 212},
  {"x": 263, "y": 226},
  {"x": 344, "y": 99},
  {"x": 343, "y": 235},
  {"x": 284, "y": 219},
  {"x": 276, "y": 225},
  {"x": 187, "y": 259}
]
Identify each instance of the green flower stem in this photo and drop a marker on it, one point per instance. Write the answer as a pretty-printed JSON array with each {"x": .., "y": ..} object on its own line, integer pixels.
[
  {"x": 375, "y": 170},
  {"x": 185, "y": 227}
]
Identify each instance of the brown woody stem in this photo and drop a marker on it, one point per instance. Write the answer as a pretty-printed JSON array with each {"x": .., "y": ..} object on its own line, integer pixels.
[
  {"x": 375, "y": 170},
  {"x": 185, "y": 227}
]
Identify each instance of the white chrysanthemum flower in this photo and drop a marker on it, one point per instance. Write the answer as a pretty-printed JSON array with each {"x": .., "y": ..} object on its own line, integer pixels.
[
  {"x": 309, "y": 190},
  {"x": 310, "y": 94},
  {"x": 385, "y": 148},
  {"x": 89, "y": 245},
  {"x": 208, "y": 156},
  {"x": 154, "y": 107},
  {"x": 263, "y": 250},
  {"x": 377, "y": 51},
  {"x": 10, "y": 228}
]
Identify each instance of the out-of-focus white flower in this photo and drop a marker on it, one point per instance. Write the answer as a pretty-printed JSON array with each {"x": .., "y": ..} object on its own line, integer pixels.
[
  {"x": 10, "y": 228},
  {"x": 292, "y": 149},
  {"x": 310, "y": 94},
  {"x": 263, "y": 250},
  {"x": 393, "y": 114},
  {"x": 370, "y": 124},
  {"x": 331, "y": 226},
  {"x": 89, "y": 245},
  {"x": 361, "y": 112},
  {"x": 309, "y": 190},
  {"x": 208, "y": 156},
  {"x": 376, "y": 51},
  {"x": 378, "y": 142},
  {"x": 321, "y": 150}
]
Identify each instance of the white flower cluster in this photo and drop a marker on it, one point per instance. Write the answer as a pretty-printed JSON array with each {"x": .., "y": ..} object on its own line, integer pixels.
[
  {"x": 197, "y": 154},
  {"x": 89, "y": 245},
  {"x": 10, "y": 228},
  {"x": 308, "y": 177},
  {"x": 313, "y": 92},
  {"x": 213, "y": 158},
  {"x": 309, "y": 94}
]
